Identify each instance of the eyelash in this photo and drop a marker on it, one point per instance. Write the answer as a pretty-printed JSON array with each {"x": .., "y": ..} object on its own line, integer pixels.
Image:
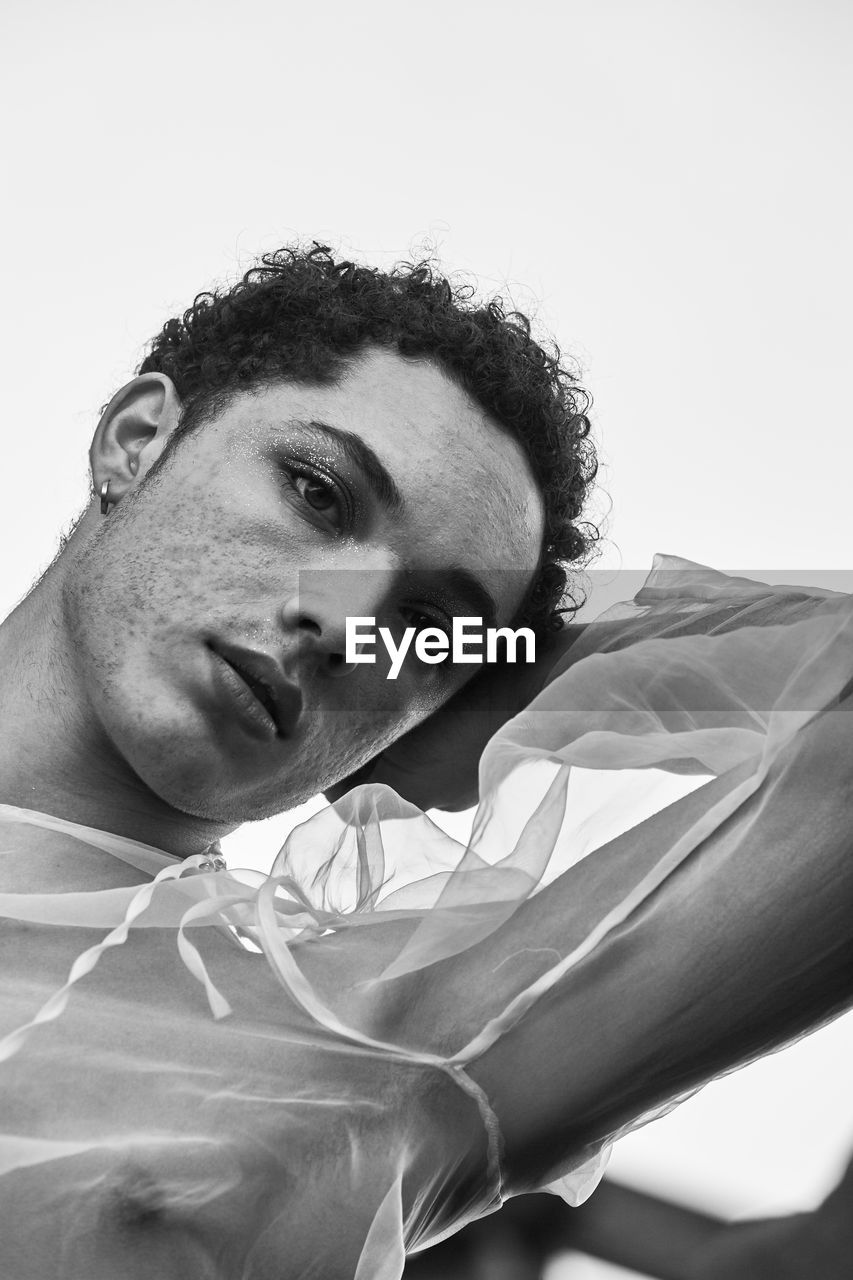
[
  {"x": 426, "y": 620},
  {"x": 441, "y": 624},
  {"x": 294, "y": 472}
]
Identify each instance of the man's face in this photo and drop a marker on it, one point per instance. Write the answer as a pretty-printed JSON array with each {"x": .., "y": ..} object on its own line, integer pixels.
[{"x": 249, "y": 548}]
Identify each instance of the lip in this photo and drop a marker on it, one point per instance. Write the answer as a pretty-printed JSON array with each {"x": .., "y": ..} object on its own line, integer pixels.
[{"x": 239, "y": 670}]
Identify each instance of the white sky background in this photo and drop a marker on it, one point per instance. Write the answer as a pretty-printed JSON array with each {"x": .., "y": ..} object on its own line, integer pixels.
[{"x": 667, "y": 182}]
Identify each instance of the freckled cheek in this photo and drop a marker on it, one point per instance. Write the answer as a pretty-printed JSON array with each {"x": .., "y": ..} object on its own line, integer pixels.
[{"x": 211, "y": 543}]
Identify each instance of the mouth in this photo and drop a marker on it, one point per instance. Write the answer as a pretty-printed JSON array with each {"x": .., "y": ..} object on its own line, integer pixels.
[{"x": 260, "y": 689}]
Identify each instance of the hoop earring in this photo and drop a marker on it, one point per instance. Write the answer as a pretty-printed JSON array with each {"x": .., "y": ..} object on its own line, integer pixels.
[{"x": 105, "y": 497}]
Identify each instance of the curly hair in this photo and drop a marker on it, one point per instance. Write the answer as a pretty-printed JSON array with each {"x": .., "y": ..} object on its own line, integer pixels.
[{"x": 300, "y": 315}]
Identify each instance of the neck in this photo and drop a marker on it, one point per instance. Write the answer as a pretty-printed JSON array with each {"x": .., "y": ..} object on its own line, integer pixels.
[{"x": 54, "y": 756}]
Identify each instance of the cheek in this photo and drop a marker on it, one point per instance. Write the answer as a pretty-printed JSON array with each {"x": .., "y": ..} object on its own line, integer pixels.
[
  {"x": 187, "y": 554},
  {"x": 367, "y": 713},
  {"x": 399, "y": 705}
]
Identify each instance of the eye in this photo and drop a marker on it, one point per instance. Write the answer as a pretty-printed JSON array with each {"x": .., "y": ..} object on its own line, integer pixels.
[
  {"x": 420, "y": 621},
  {"x": 317, "y": 493},
  {"x": 320, "y": 495}
]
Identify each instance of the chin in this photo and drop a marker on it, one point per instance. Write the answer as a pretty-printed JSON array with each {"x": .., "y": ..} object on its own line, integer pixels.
[
  {"x": 196, "y": 777},
  {"x": 215, "y": 796}
]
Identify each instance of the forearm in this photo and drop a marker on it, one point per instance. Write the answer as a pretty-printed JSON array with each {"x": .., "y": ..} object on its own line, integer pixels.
[{"x": 745, "y": 946}]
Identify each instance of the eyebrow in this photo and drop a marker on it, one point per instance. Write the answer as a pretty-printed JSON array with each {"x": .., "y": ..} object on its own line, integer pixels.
[
  {"x": 383, "y": 486},
  {"x": 377, "y": 477},
  {"x": 464, "y": 583}
]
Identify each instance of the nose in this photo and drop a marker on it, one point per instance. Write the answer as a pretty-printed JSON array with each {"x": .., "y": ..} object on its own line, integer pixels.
[{"x": 314, "y": 617}]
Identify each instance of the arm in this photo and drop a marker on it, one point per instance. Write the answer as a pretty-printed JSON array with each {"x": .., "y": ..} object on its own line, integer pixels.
[
  {"x": 747, "y": 945},
  {"x": 435, "y": 765}
]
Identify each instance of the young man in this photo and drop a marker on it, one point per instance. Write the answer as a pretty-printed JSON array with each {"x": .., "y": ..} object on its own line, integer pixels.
[
  {"x": 324, "y": 442},
  {"x": 320, "y": 442}
]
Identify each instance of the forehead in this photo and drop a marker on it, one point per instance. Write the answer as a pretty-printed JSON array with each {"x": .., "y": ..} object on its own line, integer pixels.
[{"x": 469, "y": 493}]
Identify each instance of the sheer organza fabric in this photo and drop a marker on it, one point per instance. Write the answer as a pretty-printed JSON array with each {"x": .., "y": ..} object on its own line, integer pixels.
[{"x": 208, "y": 1075}]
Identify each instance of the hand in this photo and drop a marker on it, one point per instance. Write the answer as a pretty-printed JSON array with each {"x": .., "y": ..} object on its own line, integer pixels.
[
  {"x": 815, "y": 1244},
  {"x": 435, "y": 765}
]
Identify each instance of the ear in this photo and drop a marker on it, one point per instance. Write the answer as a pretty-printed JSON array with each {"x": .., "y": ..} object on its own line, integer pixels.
[{"x": 133, "y": 431}]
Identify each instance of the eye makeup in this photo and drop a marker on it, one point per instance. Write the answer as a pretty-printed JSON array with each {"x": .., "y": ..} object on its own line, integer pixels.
[
  {"x": 301, "y": 454},
  {"x": 348, "y": 455},
  {"x": 295, "y": 469}
]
